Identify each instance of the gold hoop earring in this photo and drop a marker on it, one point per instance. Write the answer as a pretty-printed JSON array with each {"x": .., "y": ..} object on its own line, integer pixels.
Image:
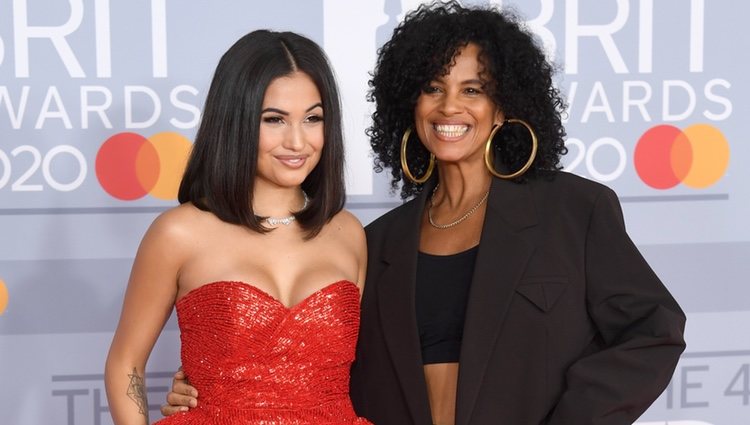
[
  {"x": 405, "y": 166},
  {"x": 489, "y": 156}
]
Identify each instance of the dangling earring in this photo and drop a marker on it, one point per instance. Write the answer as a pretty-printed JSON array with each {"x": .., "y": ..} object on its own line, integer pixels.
[
  {"x": 405, "y": 166},
  {"x": 489, "y": 156}
]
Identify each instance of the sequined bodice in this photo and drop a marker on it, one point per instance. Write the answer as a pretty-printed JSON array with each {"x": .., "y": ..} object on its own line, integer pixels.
[{"x": 255, "y": 361}]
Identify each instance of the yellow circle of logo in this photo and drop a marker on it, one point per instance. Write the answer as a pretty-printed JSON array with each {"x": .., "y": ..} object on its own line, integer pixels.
[{"x": 3, "y": 297}]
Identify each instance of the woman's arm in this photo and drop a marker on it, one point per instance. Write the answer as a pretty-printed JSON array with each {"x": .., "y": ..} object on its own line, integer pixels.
[
  {"x": 640, "y": 324},
  {"x": 148, "y": 302}
]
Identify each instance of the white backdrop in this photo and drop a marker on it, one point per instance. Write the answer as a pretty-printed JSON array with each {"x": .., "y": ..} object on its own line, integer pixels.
[{"x": 83, "y": 80}]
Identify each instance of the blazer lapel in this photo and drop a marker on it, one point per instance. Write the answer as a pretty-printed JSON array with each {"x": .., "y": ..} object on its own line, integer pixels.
[
  {"x": 501, "y": 260},
  {"x": 396, "y": 291}
]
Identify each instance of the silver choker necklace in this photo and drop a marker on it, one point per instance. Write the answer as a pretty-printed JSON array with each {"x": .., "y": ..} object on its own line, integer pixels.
[{"x": 275, "y": 221}]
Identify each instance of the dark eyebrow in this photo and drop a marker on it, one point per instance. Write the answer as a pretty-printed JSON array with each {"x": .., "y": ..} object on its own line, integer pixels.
[
  {"x": 314, "y": 106},
  {"x": 285, "y": 113},
  {"x": 274, "y": 110},
  {"x": 465, "y": 82},
  {"x": 474, "y": 81}
]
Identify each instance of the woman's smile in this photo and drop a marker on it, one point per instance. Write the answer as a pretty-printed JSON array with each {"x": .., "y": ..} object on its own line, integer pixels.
[
  {"x": 450, "y": 131},
  {"x": 292, "y": 161}
]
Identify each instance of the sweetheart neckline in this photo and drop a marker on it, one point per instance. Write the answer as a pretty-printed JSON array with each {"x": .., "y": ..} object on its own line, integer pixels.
[{"x": 265, "y": 294}]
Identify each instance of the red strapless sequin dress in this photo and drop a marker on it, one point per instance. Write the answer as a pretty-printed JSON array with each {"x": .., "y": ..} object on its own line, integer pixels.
[{"x": 255, "y": 361}]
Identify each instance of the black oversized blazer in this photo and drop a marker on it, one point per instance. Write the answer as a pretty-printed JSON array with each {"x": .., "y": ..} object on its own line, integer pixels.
[{"x": 566, "y": 323}]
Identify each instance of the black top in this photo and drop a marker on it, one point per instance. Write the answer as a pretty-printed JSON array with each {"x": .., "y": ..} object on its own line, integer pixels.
[{"x": 443, "y": 283}]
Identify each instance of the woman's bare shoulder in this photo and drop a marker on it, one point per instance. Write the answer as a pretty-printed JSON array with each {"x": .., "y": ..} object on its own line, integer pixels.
[
  {"x": 347, "y": 224},
  {"x": 350, "y": 230},
  {"x": 180, "y": 225},
  {"x": 350, "y": 234}
]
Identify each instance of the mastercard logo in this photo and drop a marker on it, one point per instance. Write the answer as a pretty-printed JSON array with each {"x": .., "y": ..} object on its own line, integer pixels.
[
  {"x": 3, "y": 297},
  {"x": 666, "y": 156},
  {"x": 129, "y": 166}
]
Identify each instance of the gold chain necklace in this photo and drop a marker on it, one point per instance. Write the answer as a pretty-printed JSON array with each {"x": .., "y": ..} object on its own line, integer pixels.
[{"x": 462, "y": 218}]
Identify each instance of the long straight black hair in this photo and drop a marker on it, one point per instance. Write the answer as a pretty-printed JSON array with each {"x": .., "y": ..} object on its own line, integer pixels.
[{"x": 223, "y": 163}]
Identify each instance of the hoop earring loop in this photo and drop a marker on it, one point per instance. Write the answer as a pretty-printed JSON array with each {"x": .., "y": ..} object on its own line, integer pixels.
[
  {"x": 405, "y": 166},
  {"x": 489, "y": 156}
]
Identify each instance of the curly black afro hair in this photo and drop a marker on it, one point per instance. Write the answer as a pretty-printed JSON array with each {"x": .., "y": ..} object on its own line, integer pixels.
[{"x": 521, "y": 86}]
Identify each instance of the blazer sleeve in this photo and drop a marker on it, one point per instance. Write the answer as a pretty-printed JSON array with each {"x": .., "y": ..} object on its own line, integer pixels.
[{"x": 639, "y": 323}]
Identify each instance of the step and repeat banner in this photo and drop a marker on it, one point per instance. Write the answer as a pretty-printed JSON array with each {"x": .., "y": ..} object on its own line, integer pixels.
[{"x": 658, "y": 110}]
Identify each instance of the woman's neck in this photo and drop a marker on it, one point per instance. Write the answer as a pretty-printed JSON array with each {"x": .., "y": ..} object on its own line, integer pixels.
[
  {"x": 460, "y": 184},
  {"x": 277, "y": 201}
]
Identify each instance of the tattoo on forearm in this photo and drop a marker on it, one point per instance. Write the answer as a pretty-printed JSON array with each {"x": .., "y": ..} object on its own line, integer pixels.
[{"x": 137, "y": 392}]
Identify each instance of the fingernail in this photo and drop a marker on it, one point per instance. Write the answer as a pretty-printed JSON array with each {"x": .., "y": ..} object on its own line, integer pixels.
[
  {"x": 183, "y": 409},
  {"x": 193, "y": 403}
]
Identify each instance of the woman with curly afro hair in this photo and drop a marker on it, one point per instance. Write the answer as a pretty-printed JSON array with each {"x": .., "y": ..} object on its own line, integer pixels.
[{"x": 505, "y": 291}]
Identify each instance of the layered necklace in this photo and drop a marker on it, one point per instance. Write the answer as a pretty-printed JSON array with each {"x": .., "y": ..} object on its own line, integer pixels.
[
  {"x": 275, "y": 221},
  {"x": 471, "y": 211}
]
